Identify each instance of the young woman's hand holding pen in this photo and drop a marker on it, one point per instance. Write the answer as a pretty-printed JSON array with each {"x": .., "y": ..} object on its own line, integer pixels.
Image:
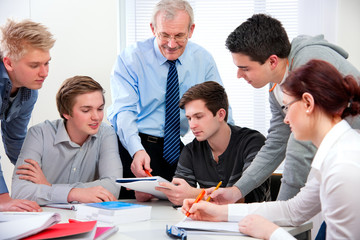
[{"x": 205, "y": 211}]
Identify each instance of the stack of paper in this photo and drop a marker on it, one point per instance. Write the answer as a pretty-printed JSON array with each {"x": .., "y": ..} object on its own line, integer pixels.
[
  {"x": 146, "y": 184},
  {"x": 15, "y": 225},
  {"x": 113, "y": 212}
]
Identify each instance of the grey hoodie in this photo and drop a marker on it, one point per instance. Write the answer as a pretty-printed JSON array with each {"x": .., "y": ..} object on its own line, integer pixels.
[{"x": 305, "y": 48}]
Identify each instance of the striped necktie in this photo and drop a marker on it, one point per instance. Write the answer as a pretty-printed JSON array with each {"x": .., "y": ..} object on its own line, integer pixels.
[{"x": 172, "y": 116}]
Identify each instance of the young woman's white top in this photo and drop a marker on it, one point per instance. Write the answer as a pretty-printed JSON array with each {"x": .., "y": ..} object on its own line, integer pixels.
[{"x": 333, "y": 187}]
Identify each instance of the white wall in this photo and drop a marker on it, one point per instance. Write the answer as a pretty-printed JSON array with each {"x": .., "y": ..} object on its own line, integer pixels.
[
  {"x": 349, "y": 29},
  {"x": 87, "y": 42}
]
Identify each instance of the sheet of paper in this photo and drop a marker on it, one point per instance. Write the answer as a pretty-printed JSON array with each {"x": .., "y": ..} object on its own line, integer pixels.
[
  {"x": 146, "y": 184},
  {"x": 211, "y": 227}
]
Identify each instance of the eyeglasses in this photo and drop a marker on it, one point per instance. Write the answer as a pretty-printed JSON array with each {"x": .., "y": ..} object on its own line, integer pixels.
[
  {"x": 285, "y": 107},
  {"x": 179, "y": 38}
]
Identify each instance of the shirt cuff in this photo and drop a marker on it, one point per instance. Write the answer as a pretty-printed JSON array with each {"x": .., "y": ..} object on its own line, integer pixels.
[
  {"x": 280, "y": 234},
  {"x": 245, "y": 184},
  {"x": 135, "y": 145},
  {"x": 3, "y": 187},
  {"x": 236, "y": 212},
  {"x": 60, "y": 193}
]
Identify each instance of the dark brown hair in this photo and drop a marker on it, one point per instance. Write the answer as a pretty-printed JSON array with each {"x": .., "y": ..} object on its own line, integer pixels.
[
  {"x": 259, "y": 37},
  {"x": 333, "y": 93},
  {"x": 212, "y": 93}
]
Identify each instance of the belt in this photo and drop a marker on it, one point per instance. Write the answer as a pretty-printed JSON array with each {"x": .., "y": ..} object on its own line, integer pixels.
[{"x": 151, "y": 139}]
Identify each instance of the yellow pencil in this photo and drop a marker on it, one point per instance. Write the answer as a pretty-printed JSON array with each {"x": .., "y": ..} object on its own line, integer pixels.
[{"x": 208, "y": 199}]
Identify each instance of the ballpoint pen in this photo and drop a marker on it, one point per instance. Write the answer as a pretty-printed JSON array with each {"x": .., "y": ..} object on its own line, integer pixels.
[
  {"x": 199, "y": 197},
  {"x": 217, "y": 186}
]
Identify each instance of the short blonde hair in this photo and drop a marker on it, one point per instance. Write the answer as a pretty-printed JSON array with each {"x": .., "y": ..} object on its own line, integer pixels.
[
  {"x": 18, "y": 37},
  {"x": 73, "y": 87}
]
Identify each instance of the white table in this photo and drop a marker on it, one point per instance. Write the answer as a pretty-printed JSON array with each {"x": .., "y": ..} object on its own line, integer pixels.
[{"x": 163, "y": 213}]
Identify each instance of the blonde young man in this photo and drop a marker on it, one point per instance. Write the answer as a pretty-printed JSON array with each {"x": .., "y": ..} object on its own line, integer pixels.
[
  {"x": 73, "y": 159},
  {"x": 24, "y": 66},
  {"x": 139, "y": 90}
]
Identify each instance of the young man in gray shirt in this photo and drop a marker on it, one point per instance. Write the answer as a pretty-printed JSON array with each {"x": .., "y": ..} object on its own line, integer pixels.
[{"x": 73, "y": 159}]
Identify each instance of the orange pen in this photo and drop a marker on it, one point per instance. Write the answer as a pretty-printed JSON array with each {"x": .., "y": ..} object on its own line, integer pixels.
[
  {"x": 148, "y": 173},
  {"x": 217, "y": 187},
  {"x": 199, "y": 197}
]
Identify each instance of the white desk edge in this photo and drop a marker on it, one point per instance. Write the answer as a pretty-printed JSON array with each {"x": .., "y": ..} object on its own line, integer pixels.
[{"x": 163, "y": 213}]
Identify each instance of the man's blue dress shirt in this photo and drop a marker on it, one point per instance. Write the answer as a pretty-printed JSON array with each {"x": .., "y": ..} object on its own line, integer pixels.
[{"x": 138, "y": 86}]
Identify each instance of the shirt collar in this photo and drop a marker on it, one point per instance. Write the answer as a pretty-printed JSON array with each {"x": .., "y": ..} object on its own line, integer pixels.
[
  {"x": 4, "y": 74},
  {"x": 161, "y": 59},
  {"x": 327, "y": 143},
  {"x": 25, "y": 93},
  {"x": 62, "y": 135},
  {"x": 5, "y": 80}
]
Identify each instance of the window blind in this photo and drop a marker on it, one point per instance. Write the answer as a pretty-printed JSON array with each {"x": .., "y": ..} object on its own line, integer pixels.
[{"x": 214, "y": 21}]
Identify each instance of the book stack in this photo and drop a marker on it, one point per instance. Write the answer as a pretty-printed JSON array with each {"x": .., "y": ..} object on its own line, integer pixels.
[{"x": 112, "y": 213}]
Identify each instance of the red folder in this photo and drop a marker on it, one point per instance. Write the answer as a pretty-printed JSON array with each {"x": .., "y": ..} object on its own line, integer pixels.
[
  {"x": 64, "y": 230},
  {"x": 105, "y": 232}
]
